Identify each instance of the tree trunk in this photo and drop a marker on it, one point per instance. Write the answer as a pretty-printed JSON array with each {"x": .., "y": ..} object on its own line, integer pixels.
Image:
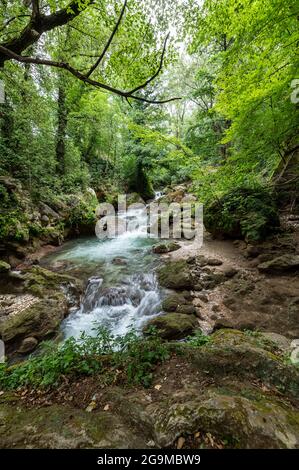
[{"x": 62, "y": 116}]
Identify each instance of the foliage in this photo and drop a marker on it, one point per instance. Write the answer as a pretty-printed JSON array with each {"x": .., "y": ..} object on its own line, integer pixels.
[
  {"x": 245, "y": 212},
  {"x": 104, "y": 354},
  {"x": 198, "y": 339}
]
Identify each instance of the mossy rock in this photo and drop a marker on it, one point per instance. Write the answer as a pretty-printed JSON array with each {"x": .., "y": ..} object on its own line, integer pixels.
[
  {"x": 173, "y": 325},
  {"x": 38, "y": 280},
  {"x": 172, "y": 302},
  {"x": 162, "y": 248},
  {"x": 244, "y": 355},
  {"x": 288, "y": 263},
  {"x": 63, "y": 427},
  {"x": 238, "y": 421},
  {"x": 246, "y": 213},
  {"x": 175, "y": 275},
  {"x": 43, "y": 309}
]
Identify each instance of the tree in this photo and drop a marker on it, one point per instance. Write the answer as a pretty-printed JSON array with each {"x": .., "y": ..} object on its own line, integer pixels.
[{"x": 40, "y": 23}]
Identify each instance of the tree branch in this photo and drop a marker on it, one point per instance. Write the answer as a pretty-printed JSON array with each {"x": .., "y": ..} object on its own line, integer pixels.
[
  {"x": 62, "y": 65},
  {"x": 147, "y": 82},
  {"x": 97, "y": 63},
  {"x": 40, "y": 24},
  {"x": 35, "y": 9}
]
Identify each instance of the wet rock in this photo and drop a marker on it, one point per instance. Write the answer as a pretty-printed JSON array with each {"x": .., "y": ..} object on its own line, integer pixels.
[
  {"x": 119, "y": 261},
  {"x": 134, "y": 198},
  {"x": 172, "y": 302},
  {"x": 173, "y": 325},
  {"x": 166, "y": 247},
  {"x": 282, "y": 264},
  {"x": 187, "y": 309}
]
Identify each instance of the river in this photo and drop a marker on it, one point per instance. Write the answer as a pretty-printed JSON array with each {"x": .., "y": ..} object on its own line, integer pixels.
[{"x": 121, "y": 287}]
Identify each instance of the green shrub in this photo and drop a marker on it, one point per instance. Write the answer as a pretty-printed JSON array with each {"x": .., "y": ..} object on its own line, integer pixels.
[
  {"x": 198, "y": 339},
  {"x": 248, "y": 213},
  {"x": 103, "y": 354}
]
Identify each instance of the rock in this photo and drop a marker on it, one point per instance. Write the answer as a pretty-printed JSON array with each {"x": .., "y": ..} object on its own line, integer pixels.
[
  {"x": 175, "y": 275},
  {"x": 189, "y": 198},
  {"x": 214, "y": 262},
  {"x": 41, "y": 310},
  {"x": 172, "y": 302},
  {"x": 280, "y": 265},
  {"x": 234, "y": 353},
  {"x": 252, "y": 251},
  {"x": 261, "y": 303},
  {"x": 48, "y": 212},
  {"x": 173, "y": 325},
  {"x": 203, "y": 297},
  {"x": 280, "y": 341},
  {"x": 230, "y": 272},
  {"x": 63, "y": 427},
  {"x": 247, "y": 423},
  {"x": 166, "y": 247},
  {"x": 4, "y": 267},
  {"x": 27, "y": 345},
  {"x": 187, "y": 309},
  {"x": 45, "y": 219},
  {"x": 119, "y": 261}
]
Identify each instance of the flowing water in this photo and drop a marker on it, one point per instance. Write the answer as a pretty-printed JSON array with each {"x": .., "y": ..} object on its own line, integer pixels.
[{"x": 121, "y": 291}]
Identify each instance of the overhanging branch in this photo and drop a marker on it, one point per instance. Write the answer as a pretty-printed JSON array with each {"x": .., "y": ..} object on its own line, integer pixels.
[
  {"x": 76, "y": 73},
  {"x": 97, "y": 63},
  {"x": 40, "y": 24}
]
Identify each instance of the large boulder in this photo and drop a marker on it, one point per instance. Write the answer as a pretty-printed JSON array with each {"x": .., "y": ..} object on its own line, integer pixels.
[
  {"x": 287, "y": 263},
  {"x": 175, "y": 275},
  {"x": 246, "y": 213},
  {"x": 173, "y": 325},
  {"x": 38, "y": 310},
  {"x": 178, "y": 303}
]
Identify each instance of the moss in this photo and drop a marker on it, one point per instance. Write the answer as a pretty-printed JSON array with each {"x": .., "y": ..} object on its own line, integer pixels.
[
  {"x": 173, "y": 302},
  {"x": 175, "y": 275},
  {"x": 173, "y": 325}
]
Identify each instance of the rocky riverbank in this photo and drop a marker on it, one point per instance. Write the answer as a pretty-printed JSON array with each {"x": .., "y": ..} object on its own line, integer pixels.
[{"x": 230, "y": 378}]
